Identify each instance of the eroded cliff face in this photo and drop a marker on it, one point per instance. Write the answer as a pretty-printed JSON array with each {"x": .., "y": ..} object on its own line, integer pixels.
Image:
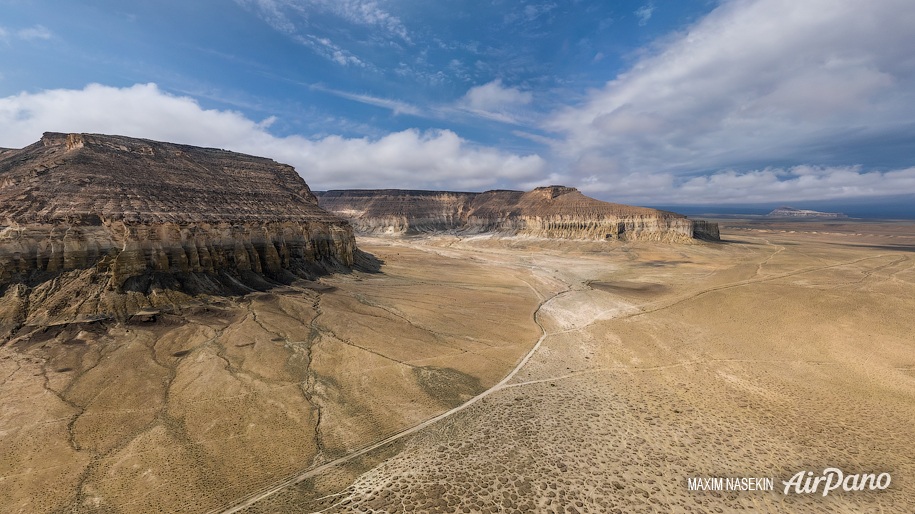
[
  {"x": 549, "y": 212},
  {"x": 395, "y": 211},
  {"x": 129, "y": 250},
  {"x": 143, "y": 215}
]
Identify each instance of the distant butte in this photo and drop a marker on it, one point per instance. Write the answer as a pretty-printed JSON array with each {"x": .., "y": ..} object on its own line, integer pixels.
[
  {"x": 791, "y": 212},
  {"x": 549, "y": 212},
  {"x": 144, "y": 216}
]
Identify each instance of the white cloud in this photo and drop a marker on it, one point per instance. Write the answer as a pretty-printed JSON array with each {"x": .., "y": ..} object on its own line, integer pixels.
[
  {"x": 495, "y": 101},
  {"x": 396, "y": 106},
  {"x": 292, "y": 16},
  {"x": 493, "y": 96},
  {"x": 762, "y": 100},
  {"x": 796, "y": 183},
  {"x": 365, "y": 12},
  {"x": 27, "y": 34},
  {"x": 644, "y": 13},
  {"x": 407, "y": 159},
  {"x": 328, "y": 49},
  {"x": 33, "y": 33},
  {"x": 271, "y": 11},
  {"x": 799, "y": 183},
  {"x": 412, "y": 159},
  {"x": 756, "y": 82},
  {"x": 530, "y": 12}
]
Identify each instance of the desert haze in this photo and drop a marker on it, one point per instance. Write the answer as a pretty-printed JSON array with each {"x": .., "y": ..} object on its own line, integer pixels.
[{"x": 203, "y": 337}]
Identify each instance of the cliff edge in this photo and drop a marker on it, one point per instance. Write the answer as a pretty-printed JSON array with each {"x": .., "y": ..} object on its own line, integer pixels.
[
  {"x": 133, "y": 215},
  {"x": 550, "y": 212}
]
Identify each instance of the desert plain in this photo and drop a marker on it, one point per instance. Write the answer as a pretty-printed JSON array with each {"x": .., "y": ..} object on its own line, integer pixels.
[{"x": 486, "y": 374}]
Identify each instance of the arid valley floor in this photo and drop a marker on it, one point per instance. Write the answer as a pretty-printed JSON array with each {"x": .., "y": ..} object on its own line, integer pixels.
[{"x": 559, "y": 376}]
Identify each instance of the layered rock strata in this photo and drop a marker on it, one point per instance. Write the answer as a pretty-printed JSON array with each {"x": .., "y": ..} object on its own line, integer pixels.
[
  {"x": 550, "y": 212},
  {"x": 130, "y": 208}
]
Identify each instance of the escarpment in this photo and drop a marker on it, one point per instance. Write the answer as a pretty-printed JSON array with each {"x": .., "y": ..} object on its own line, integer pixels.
[
  {"x": 549, "y": 212},
  {"x": 144, "y": 215},
  {"x": 396, "y": 211}
]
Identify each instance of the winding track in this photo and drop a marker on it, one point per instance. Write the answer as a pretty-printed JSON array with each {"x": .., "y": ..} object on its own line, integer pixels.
[
  {"x": 502, "y": 384},
  {"x": 265, "y": 493}
]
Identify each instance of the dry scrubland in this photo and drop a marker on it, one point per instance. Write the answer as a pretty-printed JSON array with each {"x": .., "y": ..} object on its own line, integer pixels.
[
  {"x": 789, "y": 347},
  {"x": 206, "y": 404},
  {"x": 772, "y": 353}
]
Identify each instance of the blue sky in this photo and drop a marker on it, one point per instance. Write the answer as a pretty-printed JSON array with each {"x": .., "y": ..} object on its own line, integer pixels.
[{"x": 677, "y": 102}]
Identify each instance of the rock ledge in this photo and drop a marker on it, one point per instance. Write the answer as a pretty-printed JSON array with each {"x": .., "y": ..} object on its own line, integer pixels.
[
  {"x": 140, "y": 215},
  {"x": 550, "y": 212}
]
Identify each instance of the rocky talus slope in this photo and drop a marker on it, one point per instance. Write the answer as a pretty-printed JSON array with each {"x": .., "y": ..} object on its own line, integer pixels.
[
  {"x": 121, "y": 215},
  {"x": 550, "y": 212}
]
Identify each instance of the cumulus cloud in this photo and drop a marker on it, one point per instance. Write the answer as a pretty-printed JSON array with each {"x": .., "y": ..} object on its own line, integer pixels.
[
  {"x": 435, "y": 159},
  {"x": 757, "y": 82},
  {"x": 407, "y": 159},
  {"x": 495, "y": 101}
]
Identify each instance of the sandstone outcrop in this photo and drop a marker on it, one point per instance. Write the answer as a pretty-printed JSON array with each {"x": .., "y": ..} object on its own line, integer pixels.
[
  {"x": 142, "y": 215},
  {"x": 550, "y": 212}
]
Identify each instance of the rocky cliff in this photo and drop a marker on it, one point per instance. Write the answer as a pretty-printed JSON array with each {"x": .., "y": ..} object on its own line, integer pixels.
[
  {"x": 396, "y": 211},
  {"x": 551, "y": 212},
  {"x": 144, "y": 215}
]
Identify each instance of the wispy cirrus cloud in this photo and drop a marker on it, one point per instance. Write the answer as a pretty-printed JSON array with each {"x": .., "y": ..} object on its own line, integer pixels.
[
  {"x": 644, "y": 13},
  {"x": 273, "y": 12},
  {"x": 492, "y": 101},
  {"x": 293, "y": 18},
  {"x": 367, "y": 13},
  {"x": 530, "y": 12},
  {"x": 329, "y": 50},
  {"x": 33, "y": 33},
  {"x": 396, "y": 106}
]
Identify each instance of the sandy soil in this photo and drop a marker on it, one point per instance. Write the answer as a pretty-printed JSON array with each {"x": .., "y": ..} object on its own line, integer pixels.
[
  {"x": 205, "y": 404},
  {"x": 782, "y": 350},
  {"x": 490, "y": 375}
]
